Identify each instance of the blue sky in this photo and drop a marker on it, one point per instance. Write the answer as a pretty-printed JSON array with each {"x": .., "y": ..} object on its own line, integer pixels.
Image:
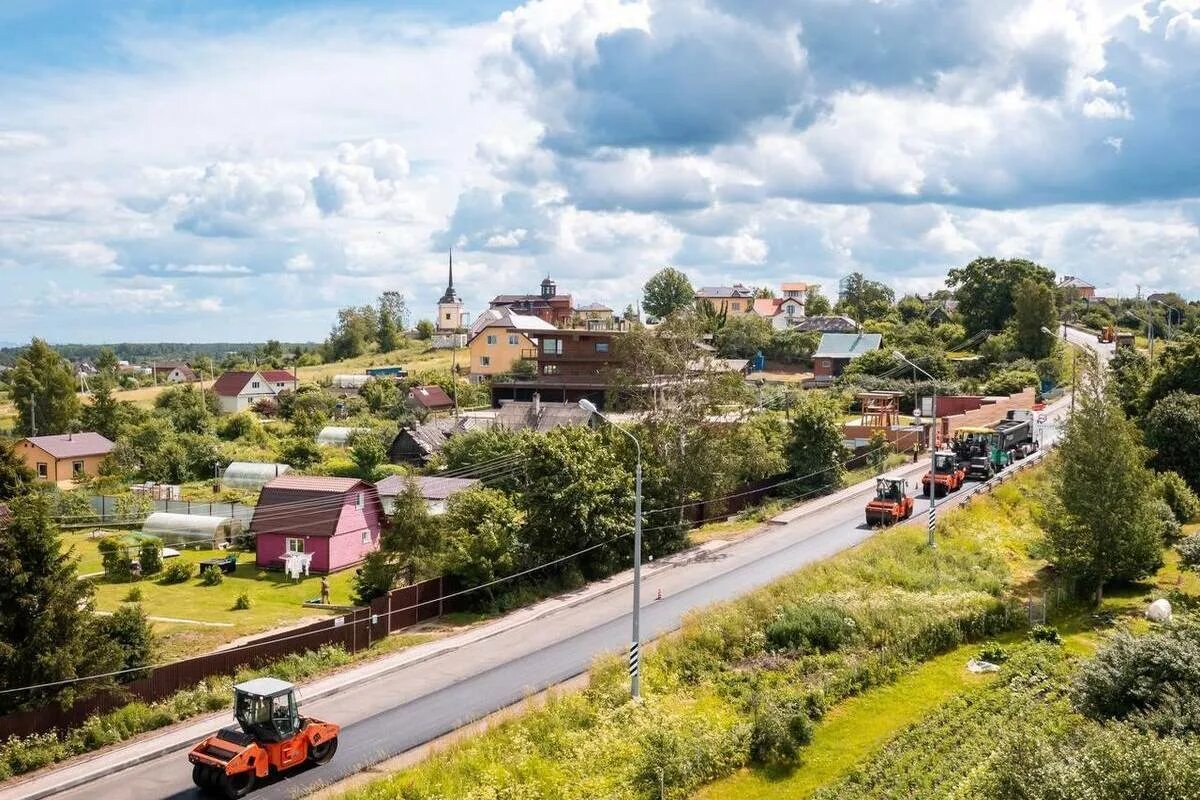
[{"x": 233, "y": 170}]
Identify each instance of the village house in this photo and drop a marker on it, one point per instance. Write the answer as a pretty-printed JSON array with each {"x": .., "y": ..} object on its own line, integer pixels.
[
  {"x": 435, "y": 491},
  {"x": 329, "y": 523},
  {"x": 736, "y": 299},
  {"x": 549, "y": 305},
  {"x": 836, "y": 350},
  {"x": 240, "y": 390},
  {"x": 494, "y": 343},
  {"x": 431, "y": 398},
  {"x": 64, "y": 457},
  {"x": 596, "y": 317},
  {"x": 417, "y": 444},
  {"x": 1077, "y": 288},
  {"x": 571, "y": 364},
  {"x": 173, "y": 372}
]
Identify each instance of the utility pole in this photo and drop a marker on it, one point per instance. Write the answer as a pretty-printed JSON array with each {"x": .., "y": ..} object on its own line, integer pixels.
[{"x": 932, "y": 525}]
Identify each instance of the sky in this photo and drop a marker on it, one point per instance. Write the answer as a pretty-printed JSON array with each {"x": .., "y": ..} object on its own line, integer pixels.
[{"x": 226, "y": 170}]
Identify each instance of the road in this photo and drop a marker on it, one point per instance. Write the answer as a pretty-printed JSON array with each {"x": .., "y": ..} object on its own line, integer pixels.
[{"x": 413, "y": 705}]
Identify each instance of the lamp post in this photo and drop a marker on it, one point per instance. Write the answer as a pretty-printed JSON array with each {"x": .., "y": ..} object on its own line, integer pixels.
[
  {"x": 635, "y": 644},
  {"x": 932, "y": 449}
]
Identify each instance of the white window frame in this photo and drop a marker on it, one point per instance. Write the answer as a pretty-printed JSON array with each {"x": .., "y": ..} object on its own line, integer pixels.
[
  {"x": 289, "y": 544},
  {"x": 492, "y": 339},
  {"x": 485, "y": 361},
  {"x": 366, "y": 537},
  {"x": 254, "y": 384},
  {"x": 514, "y": 339},
  {"x": 43, "y": 469}
]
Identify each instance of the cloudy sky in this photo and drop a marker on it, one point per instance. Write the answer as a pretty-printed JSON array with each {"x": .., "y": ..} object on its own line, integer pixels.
[{"x": 219, "y": 169}]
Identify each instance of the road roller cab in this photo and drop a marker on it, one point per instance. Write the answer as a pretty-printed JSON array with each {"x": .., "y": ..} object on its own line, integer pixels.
[
  {"x": 270, "y": 736},
  {"x": 891, "y": 504}
]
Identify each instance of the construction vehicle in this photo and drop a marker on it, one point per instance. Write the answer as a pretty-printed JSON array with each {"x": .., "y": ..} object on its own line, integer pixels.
[
  {"x": 947, "y": 475},
  {"x": 1124, "y": 339},
  {"x": 270, "y": 736},
  {"x": 891, "y": 503},
  {"x": 1107, "y": 334},
  {"x": 988, "y": 450}
]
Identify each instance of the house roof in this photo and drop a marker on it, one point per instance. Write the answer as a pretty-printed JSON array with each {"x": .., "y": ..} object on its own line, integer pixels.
[
  {"x": 737, "y": 290},
  {"x": 230, "y": 384},
  {"x": 594, "y": 307},
  {"x": 797, "y": 286},
  {"x": 278, "y": 376},
  {"x": 847, "y": 345},
  {"x": 304, "y": 504},
  {"x": 827, "y": 324},
  {"x": 767, "y": 306},
  {"x": 431, "y": 436},
  {"x": 506, "y": 318},
  {"x": 73, "y": 445},
  {"x": 430, "y": 397},
  {"x": 1070, "y": 281},
  {"x": 432, "y": 487},
  {"x": 172, "y": 366},
  {"x": 519, "y": 415}
]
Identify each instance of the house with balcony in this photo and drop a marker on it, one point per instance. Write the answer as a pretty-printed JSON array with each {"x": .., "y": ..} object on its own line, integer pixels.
[
  {"x": 570, "y": 364},
  {"x": 495, "y": 343}
]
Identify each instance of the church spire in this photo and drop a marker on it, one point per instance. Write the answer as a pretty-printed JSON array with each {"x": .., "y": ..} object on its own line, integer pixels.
[{"x": 450, "y": 296}]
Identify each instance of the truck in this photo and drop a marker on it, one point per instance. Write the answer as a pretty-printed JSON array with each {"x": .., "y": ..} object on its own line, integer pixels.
[
  {"x": 1124, "y": 339},
  {"x": 989, "y": 449},
  {"x": 1106, "y": 334}
]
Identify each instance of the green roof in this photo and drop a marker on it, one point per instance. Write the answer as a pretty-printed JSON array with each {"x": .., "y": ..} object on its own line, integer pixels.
[{"x": 847, "y": 345}]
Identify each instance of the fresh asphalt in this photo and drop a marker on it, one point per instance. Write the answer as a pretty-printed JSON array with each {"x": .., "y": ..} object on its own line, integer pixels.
[{"x": 416, "y": 704}]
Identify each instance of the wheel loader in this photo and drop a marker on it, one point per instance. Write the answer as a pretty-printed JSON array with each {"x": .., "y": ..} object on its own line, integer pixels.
[{"x": 270, "y": 736}]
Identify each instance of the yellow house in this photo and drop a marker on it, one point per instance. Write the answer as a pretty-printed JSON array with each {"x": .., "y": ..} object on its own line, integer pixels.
[
  {"x": 494, "y": 344},
  {"x": 66, "y": 457},
  {"x": 736, "y": 299}
]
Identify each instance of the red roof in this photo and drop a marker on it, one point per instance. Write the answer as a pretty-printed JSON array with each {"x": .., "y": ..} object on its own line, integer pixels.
[
  {"x": 430, "y": 397},
  {"x": 307, "y": 505},
  {"x": 73, "y": 445},
  {"x": 231, "y": 383},
  {"x": 766, "y": 306}
]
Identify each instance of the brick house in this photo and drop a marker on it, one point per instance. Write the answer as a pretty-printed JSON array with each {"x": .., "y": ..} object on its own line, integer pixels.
[
  {"x": 571, "y": 365},
  {"x": 336, "y": 520},
  {"x": 64, "y": 457}
]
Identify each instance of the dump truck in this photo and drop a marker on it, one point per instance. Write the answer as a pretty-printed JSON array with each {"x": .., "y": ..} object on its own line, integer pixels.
[
  {"x": 270, "y": 736},
  {"x": 891, "y": 503},
  {"x": 1124, "y": 339},
  {"x": 947, "y": 475},
  {"x": 987, "y": 450},
  {"x": 1106, "y": 334}
]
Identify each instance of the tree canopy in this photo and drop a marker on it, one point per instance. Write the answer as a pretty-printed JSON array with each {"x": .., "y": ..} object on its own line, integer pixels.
[
  {"x": 1033, "y": 310},
  {"x": 43, "y": 389},
  {"x": 815, "y": 451},
  {"x": 667, "y": 291},
  {"x": 986, "y": 290},
  {"x": 863, "y": 299},
  {"x": 1172, "y": 428}
]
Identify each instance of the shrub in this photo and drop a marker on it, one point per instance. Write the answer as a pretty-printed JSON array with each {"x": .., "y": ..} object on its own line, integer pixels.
[
  {"x": 779, "y": 732},
  {"x": 807, "y": 627},
  {"x": 1179, "y": 496},
  {"x": 993, "y": 652},
  {"x": 150, "y": 558},
  {"x": 1168, "y": 525},
  {"x": 212, "y": 577},
  {"x": 1010, "y": 381},
  {"x": 115, "y": 559},
  {"x": 242, "y": 603},
  {"x": 1045, "y": 633},
  {"x": 177, "y": 572},
  {"x": 134, "y": 595},
  {"x": 1153, "y": 681},
  {"x": 129, "y": 629}
]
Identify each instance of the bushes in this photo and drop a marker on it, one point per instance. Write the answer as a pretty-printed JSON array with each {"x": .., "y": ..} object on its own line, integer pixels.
[
  {"x": 809, "y": 628},
  {"x": 1010, "y": 381},
  {"x": 242, "y": 603},
  {"x": 1152, "y": 681},
  {"x": 114, "y": 559},
  {"x": 212, "y": 577},
  {"x": 779, "y": 731},
  {"x": 1179, "y": 496},
  {"x": 993, "y": 653},
  {"x": 176, "y": 572},
  {"x": 150, "y": 558},
  {"x": 1046, "y": 634},
  {"x": 1189, "y": 551}
]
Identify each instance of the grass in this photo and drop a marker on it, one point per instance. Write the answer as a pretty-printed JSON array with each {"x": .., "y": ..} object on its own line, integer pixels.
[
  {"x": 275, "y": 600},
  {"x": 855, "y": 729}
]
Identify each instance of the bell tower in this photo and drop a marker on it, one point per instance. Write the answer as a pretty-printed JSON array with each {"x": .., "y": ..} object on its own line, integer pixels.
[{"x": 449, "y": 307}]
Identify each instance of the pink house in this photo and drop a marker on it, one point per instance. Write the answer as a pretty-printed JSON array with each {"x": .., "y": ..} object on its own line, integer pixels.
[{"x": 337, "y": 520}]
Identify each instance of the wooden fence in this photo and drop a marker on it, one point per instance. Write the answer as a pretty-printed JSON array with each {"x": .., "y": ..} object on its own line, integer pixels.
[{"x": 354, "y": 631}]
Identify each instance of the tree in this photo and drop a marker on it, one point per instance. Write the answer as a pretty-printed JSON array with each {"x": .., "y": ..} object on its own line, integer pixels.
[
  {"x": 743, "y": 336},
  {"x": 425, "y": 330},
  {"x": 367, "y": 451},
  {"x": 103, "y": 414},
  {"x": 187, "y": 408},
  {"x": 1101, "y": 521},
  {"x": 815, "y": 303},
  {"x": 1178, "y": 369},
  {"x": 793, "y": 346},
  {"x": 864, "y": 299},
  {"x": 128, "y": 628},
  {"x": 107, "y": 362},
  {"x": 411, "y": 546},
  {"x": 45, "y": 611},
  {"x": 1034, "y": 309},
  {"x": 985, "y": 290},
  {"x": 667, "y": 292},
  {"x": 392, "y": 304},
  {"x": 1172, "y": 429},
  {"x": 483, "y": 537},
  {"x": 388, "y": 335},
  {"x": 815, "y": 450},
  {"x": 15, "y": 478},
  {"x": 1129, "y": 378},
  {"x": 43, "y": 389},
  {"x": 271, "y": 353},
  {"x": 300, "y": 453}
]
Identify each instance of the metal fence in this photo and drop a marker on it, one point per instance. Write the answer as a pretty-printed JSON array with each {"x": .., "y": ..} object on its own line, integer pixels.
[
  {"x": 106, "y": 508},
  {"x": 354, "y": 631}
]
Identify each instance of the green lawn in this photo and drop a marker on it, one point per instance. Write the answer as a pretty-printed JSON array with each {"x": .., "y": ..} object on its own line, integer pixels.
[
  {"x": 854, "y": 729},
  {"x": 275, "y": 600}
]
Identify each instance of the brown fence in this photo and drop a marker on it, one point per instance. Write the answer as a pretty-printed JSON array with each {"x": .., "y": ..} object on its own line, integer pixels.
[{"x": 354, "y": 631}]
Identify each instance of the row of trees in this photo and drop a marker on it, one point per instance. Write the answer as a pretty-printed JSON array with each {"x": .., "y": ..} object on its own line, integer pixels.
[{"x": 359, "y": 328}]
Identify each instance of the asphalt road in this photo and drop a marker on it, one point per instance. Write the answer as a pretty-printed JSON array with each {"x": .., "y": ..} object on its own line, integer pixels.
[{"x": 411, "y": 706}]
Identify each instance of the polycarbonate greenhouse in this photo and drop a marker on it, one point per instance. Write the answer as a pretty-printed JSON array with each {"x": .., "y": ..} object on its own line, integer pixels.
[
  {"x": 350, "y": 381},
  {"x": 182, "y": 530},
  {"x": 251, "y": 474},
  {"x": 336, "y": 436}
]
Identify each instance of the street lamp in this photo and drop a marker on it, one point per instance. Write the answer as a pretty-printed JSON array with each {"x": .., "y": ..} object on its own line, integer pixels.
[
  {"x": 932, "y": 449},
  {"x": 635, "y": 644}
]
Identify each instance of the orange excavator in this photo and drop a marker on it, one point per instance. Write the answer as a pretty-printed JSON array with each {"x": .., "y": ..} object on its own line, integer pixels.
[
  {"x": 270, "y": 736},
  {"x": 950, "y": 474},
  {"x": 891, "y": 503},
  {"x": 1107, "y": 334}
]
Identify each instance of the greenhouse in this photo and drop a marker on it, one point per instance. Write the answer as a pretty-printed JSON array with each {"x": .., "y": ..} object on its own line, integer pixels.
[
  {"x": 182, "y": 530},
  {"x": 251, "y": 474},
  {"x": 350, "y": 381},
  {"x": 337, "y": 436}
]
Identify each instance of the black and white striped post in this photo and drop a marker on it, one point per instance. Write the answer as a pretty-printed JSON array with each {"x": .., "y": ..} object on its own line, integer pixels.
[{"x": 635, "y": 661}]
